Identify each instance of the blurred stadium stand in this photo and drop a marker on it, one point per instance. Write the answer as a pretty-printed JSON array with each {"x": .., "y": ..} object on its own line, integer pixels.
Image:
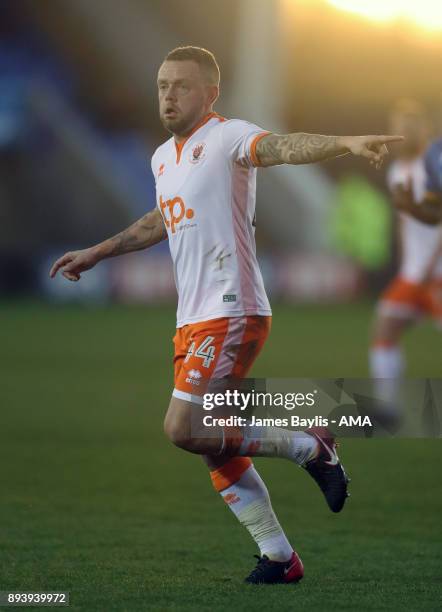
[{"x": 65, "y": 178}]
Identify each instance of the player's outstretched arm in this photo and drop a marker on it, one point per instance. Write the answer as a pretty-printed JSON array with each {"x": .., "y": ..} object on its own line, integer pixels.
[
  {"x": 145, "y": 232},
  {"x": 428, "y": 211},
  {"x": 301, "y": 148}
]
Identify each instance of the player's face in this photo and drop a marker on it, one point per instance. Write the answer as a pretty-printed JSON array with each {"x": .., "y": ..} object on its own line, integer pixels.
[
  {"x": 415, "y": 130},
  {"x": 185, "y": 96}
]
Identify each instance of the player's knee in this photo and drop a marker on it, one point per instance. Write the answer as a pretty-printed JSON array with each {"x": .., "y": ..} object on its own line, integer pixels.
[
  {"x": 178, "y": 433},
  {"x": 387, "y": 331}
]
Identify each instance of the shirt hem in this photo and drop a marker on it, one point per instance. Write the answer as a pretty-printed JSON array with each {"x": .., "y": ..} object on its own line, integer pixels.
[{"x": 224, "y": 314}]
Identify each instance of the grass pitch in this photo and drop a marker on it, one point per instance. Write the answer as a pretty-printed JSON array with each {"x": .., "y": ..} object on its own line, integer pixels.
[{"x": 94, "y": 499}]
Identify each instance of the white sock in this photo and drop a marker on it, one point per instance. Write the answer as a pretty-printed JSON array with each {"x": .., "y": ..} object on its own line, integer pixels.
[
  {"x": 297, "y": 446},
  {"x": 249, "y": 500},
  {"x": 386, "y": 368}
]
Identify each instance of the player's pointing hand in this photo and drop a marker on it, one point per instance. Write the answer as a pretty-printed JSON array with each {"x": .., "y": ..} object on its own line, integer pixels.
[
  {"x": 374, "y": 148},
  {"x": 73, "y": 263}
]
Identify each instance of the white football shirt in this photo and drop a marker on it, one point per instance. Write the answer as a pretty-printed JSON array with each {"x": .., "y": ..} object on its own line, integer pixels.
[
  {"x": 420, "y": 243},
  {"x": 206, "y": 193}
]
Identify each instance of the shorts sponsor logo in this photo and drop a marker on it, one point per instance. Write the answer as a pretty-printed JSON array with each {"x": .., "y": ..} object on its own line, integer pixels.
[{"x": 194, "y": 376}]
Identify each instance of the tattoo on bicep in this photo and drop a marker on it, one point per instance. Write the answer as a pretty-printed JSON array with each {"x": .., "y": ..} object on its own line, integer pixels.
[
  {"x": 270, "y": 149},
  {"x": 297, "y": 148}
]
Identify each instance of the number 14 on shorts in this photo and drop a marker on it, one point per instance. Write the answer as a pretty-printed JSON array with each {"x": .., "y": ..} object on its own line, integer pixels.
[{"x": 204, "y": 351}]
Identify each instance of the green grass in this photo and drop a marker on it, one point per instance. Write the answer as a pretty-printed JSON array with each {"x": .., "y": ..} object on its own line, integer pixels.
[{"x": 94, "y": 499}]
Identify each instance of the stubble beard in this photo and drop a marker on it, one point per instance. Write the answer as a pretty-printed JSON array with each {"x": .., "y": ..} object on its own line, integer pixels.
[{"x": 179, "y": 126}]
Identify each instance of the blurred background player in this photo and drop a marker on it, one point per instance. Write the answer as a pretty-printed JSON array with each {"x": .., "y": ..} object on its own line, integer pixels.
[
  {"x": 206, "y": 181},
  {"x": 415, "y": 292}
]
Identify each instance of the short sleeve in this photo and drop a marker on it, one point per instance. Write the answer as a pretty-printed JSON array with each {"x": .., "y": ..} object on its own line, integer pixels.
[
  {"x": 433, "y": 168},
  {"x": 239, "y": 139}
]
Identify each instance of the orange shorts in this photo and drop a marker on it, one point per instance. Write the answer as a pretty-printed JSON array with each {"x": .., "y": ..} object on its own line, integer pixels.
[
  {"x": 412, "y": 300},
  {"x": 215, "y": 349}
]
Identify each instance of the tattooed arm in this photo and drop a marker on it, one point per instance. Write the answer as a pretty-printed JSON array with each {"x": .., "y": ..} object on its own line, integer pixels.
[
  {"x": 142, "y": 234},
  {"x": 301, "y": 148}
]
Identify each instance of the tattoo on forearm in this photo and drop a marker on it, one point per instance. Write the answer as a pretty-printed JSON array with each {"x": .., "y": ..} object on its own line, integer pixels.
[
  {"x": 145, "y": 232},
  {"x": 297, "y": 148}
]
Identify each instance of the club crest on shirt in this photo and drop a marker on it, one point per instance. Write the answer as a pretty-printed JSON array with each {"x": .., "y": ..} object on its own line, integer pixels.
[{"x": 198, "y": 153}]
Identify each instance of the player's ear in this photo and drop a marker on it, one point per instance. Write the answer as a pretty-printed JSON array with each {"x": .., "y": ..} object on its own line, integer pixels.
[{"x": 213, "y": 93}]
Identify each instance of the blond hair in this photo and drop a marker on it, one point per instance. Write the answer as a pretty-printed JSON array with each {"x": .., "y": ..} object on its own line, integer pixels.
[{"x": 204, "y": 58}]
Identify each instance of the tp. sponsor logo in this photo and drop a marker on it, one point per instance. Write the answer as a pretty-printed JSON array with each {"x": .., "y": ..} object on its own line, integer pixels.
[{"x": 176, "y": 212}]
